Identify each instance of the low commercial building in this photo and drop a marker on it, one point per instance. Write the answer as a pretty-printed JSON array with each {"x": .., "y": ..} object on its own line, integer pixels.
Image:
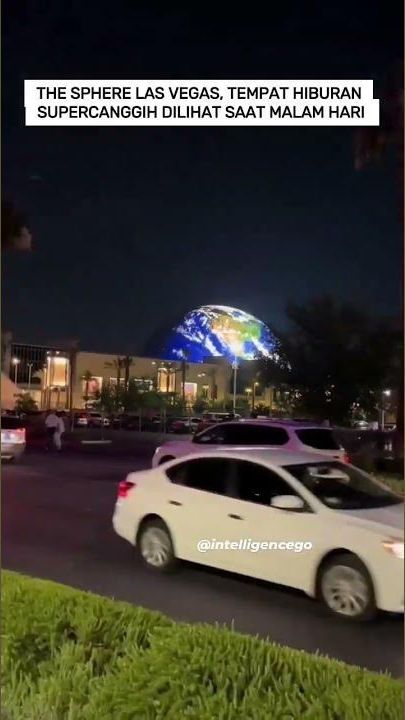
[
  {"x": 211, "y": 348},
  {"x": 210, "y": 381},
  {"x": 58, "y": 377}
]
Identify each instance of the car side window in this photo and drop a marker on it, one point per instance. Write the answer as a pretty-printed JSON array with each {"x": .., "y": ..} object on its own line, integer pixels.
[
  {"x": 213, "y": 436},
  {"x": 257, "y": 484},
  {"x": 245, "y": 434},
  {"x": 207, "y": 474}
]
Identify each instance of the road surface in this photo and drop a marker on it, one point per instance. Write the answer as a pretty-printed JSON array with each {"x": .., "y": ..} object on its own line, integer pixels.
[{"x": 56, "y": 524}]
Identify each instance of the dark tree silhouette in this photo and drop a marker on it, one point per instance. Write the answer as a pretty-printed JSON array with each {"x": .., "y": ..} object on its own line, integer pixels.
[
  {"x": 14, "y": 232},
  {"x": 372, "y": 145},
  {"x": 334, "y": 356}
]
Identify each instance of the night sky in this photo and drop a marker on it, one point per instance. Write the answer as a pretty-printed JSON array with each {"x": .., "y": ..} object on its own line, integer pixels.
[{"x": 133, "y": 227}]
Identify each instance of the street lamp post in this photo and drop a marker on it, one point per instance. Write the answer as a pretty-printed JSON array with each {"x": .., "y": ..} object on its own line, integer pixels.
[
  {"x": 15, "y": 361},
  {"x": 255, "y": 386},
  {"x": 385, "y": 394},
  {"x": 29, "y": 365},
  {"x": 235, "y": 372}
]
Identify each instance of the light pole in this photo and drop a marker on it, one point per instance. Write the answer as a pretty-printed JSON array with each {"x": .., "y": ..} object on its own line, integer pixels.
[
  {"x": 385, "y": 394},
  {"x": 235, "y": 374},
  {"x": 44, "y": 387},
  {"x": 183, "y": 378},
  {"x": 29, "y": 365},
  {"x": 236, "y": 350},
  {"x": 16, "y": 361},
  {"x": 255, "y": 386}
]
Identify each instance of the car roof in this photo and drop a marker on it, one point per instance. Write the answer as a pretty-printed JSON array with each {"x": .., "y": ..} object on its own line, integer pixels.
[
  {"x": 278, "y": 423},
  {"x": 273, "y": 456},
  {"x": 220, "y": 414}
]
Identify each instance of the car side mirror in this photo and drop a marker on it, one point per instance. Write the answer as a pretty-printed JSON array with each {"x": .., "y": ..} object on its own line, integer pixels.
[{"x": 287, "y": 502}]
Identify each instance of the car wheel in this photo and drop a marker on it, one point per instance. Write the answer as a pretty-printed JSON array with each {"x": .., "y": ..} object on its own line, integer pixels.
[
  {"x": 155, "y": 546},
  {"x": 346, "y": 588},
  {"x": 166, "y": 459}
]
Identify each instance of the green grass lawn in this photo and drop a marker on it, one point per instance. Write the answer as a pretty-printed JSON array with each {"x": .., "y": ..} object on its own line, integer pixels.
[{"x": 71, "y": 655}]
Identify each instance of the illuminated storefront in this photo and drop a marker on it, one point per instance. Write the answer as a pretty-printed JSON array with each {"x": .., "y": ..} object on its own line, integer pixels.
[
  {"x": 190, "y": 392},
  {"x": 92, "y": 387},
  {"x": 56, "y": 380},
  {"x": 166, "y": 380}
]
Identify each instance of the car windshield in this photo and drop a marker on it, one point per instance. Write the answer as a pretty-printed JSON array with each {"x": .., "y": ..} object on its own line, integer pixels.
[{"x": 342, "y": 487}]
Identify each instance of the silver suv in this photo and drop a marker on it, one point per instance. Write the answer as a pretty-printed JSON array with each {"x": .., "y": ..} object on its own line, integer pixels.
[{"x": 294, "y": 436}]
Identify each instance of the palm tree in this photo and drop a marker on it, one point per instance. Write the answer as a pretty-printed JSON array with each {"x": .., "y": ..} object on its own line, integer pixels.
[
  {"x": 117, "y": 364},
  {"x": 25, "y": 403},
  {"x": 14, "y": 232},
  {"x": 87, "y": 377},
  {"x": 127, "y": 362},
  {"x": 371, "y": 145},
  {"x": 73, "y": 349}
]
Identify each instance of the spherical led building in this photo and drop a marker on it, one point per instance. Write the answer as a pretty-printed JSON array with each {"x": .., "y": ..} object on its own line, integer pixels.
[{"x": 218, "y": 331}]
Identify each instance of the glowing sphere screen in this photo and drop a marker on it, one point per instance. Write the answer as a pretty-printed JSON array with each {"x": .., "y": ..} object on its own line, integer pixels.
[{"x": 220, "y": 331}]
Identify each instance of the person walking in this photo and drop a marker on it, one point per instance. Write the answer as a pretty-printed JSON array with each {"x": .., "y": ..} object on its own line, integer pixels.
[
  {"x": 51, "y": 425},
  {"x": 60, "y": 429}
]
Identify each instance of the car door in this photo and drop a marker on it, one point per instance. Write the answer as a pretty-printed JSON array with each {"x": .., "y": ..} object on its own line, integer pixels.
[
  {"x": 250, "y": 517},
  {"x": 194, "y": 506}
]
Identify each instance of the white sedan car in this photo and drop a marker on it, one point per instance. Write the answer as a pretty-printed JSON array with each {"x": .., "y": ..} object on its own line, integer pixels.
[
  {"x": 300, "y": 437},
  {"x": 294, "y": 519}
]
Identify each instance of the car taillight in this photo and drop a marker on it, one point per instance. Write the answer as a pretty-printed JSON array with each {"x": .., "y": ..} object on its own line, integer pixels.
[
  {"x": 19, "y": 435},
  {"x": 347, "y": 459},
  {"x": 124, "y": 487}
]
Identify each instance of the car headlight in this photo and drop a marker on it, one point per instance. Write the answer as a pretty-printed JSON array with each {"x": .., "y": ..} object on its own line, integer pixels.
[{"x": 395, "y": 547}]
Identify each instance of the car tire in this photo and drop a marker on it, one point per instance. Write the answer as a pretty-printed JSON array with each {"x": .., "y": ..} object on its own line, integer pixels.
[
  {"x": 346, "y": 588},
  {"x": 155, "y": 546},
  {"x": 166, "y": 459}
]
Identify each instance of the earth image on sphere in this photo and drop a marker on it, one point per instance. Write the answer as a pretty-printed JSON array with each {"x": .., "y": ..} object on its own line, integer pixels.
[{"x": 220, "y": 331}]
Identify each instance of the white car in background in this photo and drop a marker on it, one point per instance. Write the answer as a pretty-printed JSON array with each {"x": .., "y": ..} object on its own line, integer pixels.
[
  {"x": 13, "y": 437},
  {"x": 91, "y": 419},
  {"x": 353, "y": 524},
  {"x": 184, "y": 425},
  {"x": 297, "y": 437}
]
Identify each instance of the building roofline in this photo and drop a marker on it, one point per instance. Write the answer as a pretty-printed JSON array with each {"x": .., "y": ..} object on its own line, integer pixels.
[
  {"x": 36, "y": 345},
  {"x": 154, "y": 358},
  {"x": 215, "y": 361}
]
